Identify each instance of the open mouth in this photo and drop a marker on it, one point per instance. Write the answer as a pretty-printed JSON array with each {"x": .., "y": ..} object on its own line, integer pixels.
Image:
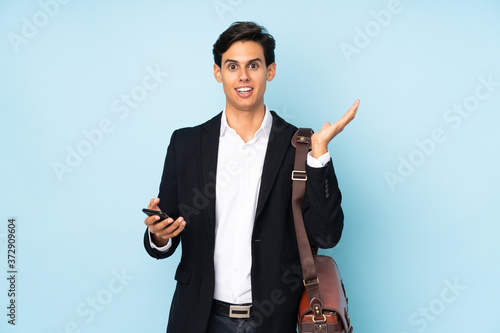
[{"x": 244, "y": 91}]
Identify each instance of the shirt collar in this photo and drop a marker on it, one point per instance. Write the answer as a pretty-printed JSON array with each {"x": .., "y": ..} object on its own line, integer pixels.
[{"x": 265, "y": 127}]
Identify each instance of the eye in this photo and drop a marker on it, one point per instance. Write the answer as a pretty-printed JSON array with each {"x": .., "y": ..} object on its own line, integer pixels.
[
  {"x": 253, "y": 66},
  {"x": 232, "y": 66}
]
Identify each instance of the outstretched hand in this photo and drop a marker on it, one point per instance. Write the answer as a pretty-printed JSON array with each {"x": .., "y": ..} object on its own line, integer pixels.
[{"x": 320, "y": 140}]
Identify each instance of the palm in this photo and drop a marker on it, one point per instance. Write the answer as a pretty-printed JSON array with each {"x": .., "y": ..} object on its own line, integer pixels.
[
  {"x": 321, "y": 139},
  {"x": 329, "y": 131}
]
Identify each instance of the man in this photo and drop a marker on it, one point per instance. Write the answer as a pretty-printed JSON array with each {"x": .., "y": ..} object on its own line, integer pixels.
[{"x": 227, "y": 186}]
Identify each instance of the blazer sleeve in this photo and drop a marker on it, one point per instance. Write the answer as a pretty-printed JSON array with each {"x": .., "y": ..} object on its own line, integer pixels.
[
  {"x": 323, "y": 216},
  {"x": 168, "y": 199}
]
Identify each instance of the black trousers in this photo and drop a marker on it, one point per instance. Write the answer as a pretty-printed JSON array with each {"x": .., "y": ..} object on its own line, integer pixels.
[{"x": 223, "y": 324}]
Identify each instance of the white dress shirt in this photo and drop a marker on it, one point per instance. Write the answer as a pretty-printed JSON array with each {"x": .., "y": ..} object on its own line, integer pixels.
[{"x": 239, "y": 171}]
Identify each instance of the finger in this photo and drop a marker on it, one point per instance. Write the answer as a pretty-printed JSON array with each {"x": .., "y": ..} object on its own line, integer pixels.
[
  {"x": 179, "y": 229},
  {"x": 174, "y": 225},
  {"x": 173, "y": 229},
  {"x": 346, "y": 118},
  {"x": 150, "y": 220},
  {"x": 326, "y": 125},
  {"x": 156, "y": 224},
  {"x": 349, "y": 115},
  {"x": 153, "y": 204}
]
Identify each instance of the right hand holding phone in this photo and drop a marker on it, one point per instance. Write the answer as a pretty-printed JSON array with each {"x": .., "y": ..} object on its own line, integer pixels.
[{"x": 162, "y": 231}]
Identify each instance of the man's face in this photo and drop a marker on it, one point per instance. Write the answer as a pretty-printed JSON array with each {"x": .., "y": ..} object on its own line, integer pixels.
[{"x": 243, "y": 74}]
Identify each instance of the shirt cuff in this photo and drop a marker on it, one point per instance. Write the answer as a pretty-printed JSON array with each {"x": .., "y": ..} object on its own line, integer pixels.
[
  {"x": 318, "y": 162},
  {"x": 163, "y": 248}
]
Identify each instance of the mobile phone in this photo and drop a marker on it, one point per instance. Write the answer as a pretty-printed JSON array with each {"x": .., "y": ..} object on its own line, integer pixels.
[
  {"x": 162, "y": 215},
  {"x": 151, "y": 212}
]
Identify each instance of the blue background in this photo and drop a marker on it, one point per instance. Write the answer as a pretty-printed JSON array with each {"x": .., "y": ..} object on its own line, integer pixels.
[{"x": 419, "y": 251}]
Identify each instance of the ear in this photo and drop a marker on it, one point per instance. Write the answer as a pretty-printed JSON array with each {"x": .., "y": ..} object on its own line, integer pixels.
[
  {"x": 217, "y": 73},
  {"x": 271, "y": 71}
]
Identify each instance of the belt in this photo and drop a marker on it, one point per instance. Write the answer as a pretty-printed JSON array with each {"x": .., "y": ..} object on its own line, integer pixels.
[{"x": 231, "y": 310}]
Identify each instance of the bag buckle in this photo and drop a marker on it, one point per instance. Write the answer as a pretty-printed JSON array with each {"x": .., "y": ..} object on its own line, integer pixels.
[
  {"x": 299, "y": 175},
  {"x": 311, "y": 281},
  {"x": 239, "y": 311}
]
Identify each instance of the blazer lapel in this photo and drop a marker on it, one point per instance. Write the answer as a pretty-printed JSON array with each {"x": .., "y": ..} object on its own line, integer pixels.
[
  {"x": 279, "y": 142},
  {"x": 210, "y": 133}
]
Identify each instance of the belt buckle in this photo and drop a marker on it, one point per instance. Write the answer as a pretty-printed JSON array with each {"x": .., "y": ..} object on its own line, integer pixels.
[{"x": 239, "y": 311}]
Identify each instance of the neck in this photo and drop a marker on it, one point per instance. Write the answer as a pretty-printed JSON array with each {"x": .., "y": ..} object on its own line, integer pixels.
[{"x": 245, "y": 123}]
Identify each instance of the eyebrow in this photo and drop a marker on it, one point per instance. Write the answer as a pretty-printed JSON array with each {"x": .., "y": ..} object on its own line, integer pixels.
[{"x": 252, "y": 60}]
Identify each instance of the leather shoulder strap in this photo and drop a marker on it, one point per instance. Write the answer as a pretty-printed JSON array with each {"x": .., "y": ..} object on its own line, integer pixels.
[{"x": 302, "y": 143}]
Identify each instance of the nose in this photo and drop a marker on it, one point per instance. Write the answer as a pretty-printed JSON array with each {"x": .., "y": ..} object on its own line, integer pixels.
[{"x": 244, "y": 74}]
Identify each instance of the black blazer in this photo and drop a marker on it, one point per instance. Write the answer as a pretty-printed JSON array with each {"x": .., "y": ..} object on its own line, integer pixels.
[{"x": 188, "y": 189}]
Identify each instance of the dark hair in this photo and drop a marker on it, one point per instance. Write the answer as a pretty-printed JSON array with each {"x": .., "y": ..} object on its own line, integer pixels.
[{"x": 244, "y": 31}]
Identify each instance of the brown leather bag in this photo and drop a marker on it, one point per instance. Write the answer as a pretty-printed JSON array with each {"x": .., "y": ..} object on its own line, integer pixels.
[{"x": 323, "y": 306}]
